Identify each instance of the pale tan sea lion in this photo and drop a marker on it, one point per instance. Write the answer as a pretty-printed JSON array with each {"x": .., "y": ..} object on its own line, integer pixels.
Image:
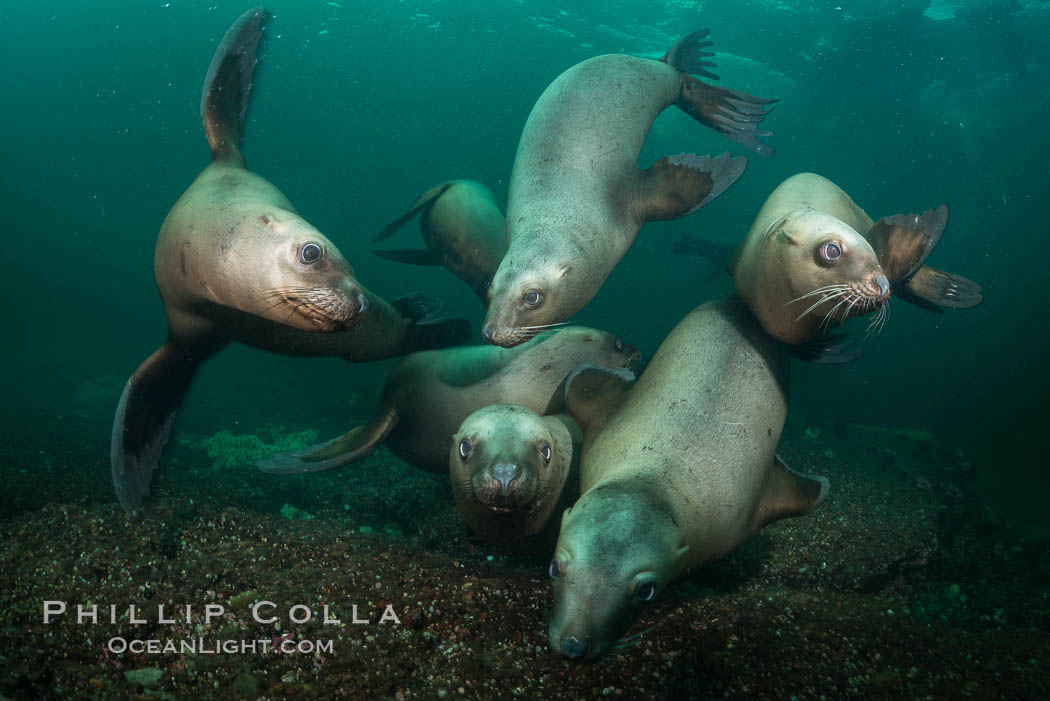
[
  {"x": 235, "y": 262},
  {"x": 463, "y": 230},
  {"x": 577, "y": 197},
  {"x": 677, "y": 470},
  {"x": 511, "y": 470},
  {"x": 427, "y": 396}
]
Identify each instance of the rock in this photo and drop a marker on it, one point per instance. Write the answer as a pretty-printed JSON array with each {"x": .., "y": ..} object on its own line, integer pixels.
[{"x": 147, "y": 676}]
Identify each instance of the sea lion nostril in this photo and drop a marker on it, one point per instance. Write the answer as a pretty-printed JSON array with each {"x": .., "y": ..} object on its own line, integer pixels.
[
  {"x": 362, "y": 302},
  {"x": 573, "y": 648},
  {"x": 488, "y": 332},
  {"x": 884, "y": 285},
  {"x": 505, "y": 473}
]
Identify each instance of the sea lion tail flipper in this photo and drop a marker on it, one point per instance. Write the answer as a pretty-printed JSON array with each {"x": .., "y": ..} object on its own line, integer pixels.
[
  {"x": 830, "y": 349},
  {"x": 679, "y": 185},
  {"x": 422, "y": 201},
  {"x": 356, "y": 444},
  {"x": 143, "y": 421},
  {"x": 903, "y": 242},
  {"x": 228, "y": 85},
  {"x": 688, "y": 54},
  {"x": 930, "y": 286},
  {"x": 411, "y": 256},
  {"x": 592, "y": 393},
  {"x": 788, "y": 493},
  {"x": 734, "y": 114}
]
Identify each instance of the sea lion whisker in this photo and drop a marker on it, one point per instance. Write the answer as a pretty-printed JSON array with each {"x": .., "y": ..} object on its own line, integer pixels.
[
  {"x": 826, "y": 321},
  {"x": 826, "y": 298},
  {"x": 819, "y": 290}
]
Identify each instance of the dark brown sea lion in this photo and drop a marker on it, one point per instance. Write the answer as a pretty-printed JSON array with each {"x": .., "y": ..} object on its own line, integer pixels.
[
  {"x": 577, "y": 197},
  {"x": 235, "y": 262},
  {"x": 512, "y": 470},
  {"x": 678, "y": 469},
  {"x": 463, "y": 230},
  {"x": 427, "y": 396}
]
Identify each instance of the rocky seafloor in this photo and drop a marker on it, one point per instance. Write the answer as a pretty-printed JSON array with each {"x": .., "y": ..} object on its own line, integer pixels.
[{"x": 901, "y": 585}]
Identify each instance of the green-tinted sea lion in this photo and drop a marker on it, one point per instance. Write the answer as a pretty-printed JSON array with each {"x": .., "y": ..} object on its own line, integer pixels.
[
  {"x": 428, "y": 394},
  {"x": 235, "y": 262},
  {"x": 463, "y": 230},
  {"x": 812, "y": 257},
  {"x": 678, "y": 469},
  {"x": 577, "y": 197},
  {"x": 512, "y": 470}
]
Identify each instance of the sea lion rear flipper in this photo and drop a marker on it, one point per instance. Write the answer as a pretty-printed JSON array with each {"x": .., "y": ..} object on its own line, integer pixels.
[
  {"x": 675, "y": 186},
  {"x": 829, "y": 349},
  {"x": 143, "y": 420},
  {"x": 788, "y": 493},
  {"x": 729, "y": 112},
  {"x": 412, "y": 256},
  {"x": 592, "y": 393},
  {"x": 717, "y": 251},
  {"x": 354, "y": 445},
  {"x": 932, "y": 286},
  {"x": 228, "y": 84},
  {"x": 903, "y": 242},
  {"x": 421, "y": 202}
]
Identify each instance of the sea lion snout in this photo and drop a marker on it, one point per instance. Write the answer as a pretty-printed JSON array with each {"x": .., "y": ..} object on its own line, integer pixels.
[
  {"x": 574, "y": 648},
  {"x": 505, "y": 473}
]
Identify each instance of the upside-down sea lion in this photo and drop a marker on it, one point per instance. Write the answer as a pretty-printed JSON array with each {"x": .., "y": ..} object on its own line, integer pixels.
[
  {"x": 812, "y": 256},
  {"x": 677, "y": 470},
  {"x": 512, "y": 470},
  {"x": 577, "y": 197},
  {"x": 428, "y": 394},
  {"x": 463, "y": 230},
  {"x": 235, "y": 262}
]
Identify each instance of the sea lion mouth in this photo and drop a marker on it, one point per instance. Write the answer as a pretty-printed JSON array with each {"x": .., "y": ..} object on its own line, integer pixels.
[
  {"x": 506, "y": 336},
  {"x": 327, "y": 310}
]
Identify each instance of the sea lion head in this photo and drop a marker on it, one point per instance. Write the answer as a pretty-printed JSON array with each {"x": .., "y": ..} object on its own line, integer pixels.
[
  {"x": 298, "y": 277},
  {"x": 814, "y": 270},
  {"x": 528, "y": 295},
  {"x": 508, "y": 467},
  {"x": 618, "y": 549}
]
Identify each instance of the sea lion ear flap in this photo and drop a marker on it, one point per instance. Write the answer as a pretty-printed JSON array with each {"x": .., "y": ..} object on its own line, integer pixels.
[
  {"x": 568, "y": 439},
  {"x": 788, "y": 493},
  {"x": 903, "y": 242},
  {"x": 593, "y": 393}
]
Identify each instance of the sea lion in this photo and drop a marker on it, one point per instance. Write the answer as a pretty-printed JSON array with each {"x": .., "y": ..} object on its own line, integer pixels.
[
  {"x": 678, "y": 469},
  {"x": 511, "y": 470},
  {"x": 577, "y": 197},
  {"x": 235, "y": 262},
  {"x": 807, "y": 260},
  {"x": 428, "y": 395},
  {"x": 463, "y": 230}
]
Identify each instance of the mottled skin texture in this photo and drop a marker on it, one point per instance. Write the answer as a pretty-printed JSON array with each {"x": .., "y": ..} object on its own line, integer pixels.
[
  {"x": 679, "y": 474},
  {"x": 779, "y": 260},
  {"x": 511, "y": 470},
  {"x": 577, "y": 197},
  {"x": 428, "y": 395}
]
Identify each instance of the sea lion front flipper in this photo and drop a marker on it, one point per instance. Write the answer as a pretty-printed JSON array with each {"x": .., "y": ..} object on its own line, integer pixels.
[
  {"x": 717, "y": 251},
  {"x": 675, "y": 186},
  {"x": 592, "y": 393},
  {"x": 228, "y": 85},
  {"x": 418, "y": 306},
  {"x": 903, "y": 242},
  {"x": 143, "y": 420},
  {"x": 354, "y": 445},
  {"x": 788, "y": 493},
  {"x": 937, "y": 287},
  {"x": 422, "y": 201},
  {"x": 428, "y": 330},
  {"x": 829, "y": 349},
  {"x": 411, "y": 256}
]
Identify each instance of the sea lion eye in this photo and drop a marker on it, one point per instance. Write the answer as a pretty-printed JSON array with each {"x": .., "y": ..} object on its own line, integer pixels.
[
  {"x": 831, "y": 251},
  {"x": 310, "y": 253},
  {"x": 465, "y": 448},
  {"x": 545, "y": 452},
  {"x": 532, "y": 298},
  {"x": 645, "y": 592},
  {"x": 554, "y": 571}
]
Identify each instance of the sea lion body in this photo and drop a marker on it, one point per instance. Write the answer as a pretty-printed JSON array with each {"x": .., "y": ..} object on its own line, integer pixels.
[
  {"x": 511, "y": 470},
  {"x": 428, "y": 395},
  {"x": 235, "y": 262},
  {"x": 677, "y": 470},
  {"x": 463, "y": 229},
  {"x": 577, "y": 197},
  {"x": 785, "y": 270}
]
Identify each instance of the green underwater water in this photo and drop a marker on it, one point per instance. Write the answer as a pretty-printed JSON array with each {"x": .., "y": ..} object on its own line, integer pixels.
[{"x": 359, "y": 106}]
